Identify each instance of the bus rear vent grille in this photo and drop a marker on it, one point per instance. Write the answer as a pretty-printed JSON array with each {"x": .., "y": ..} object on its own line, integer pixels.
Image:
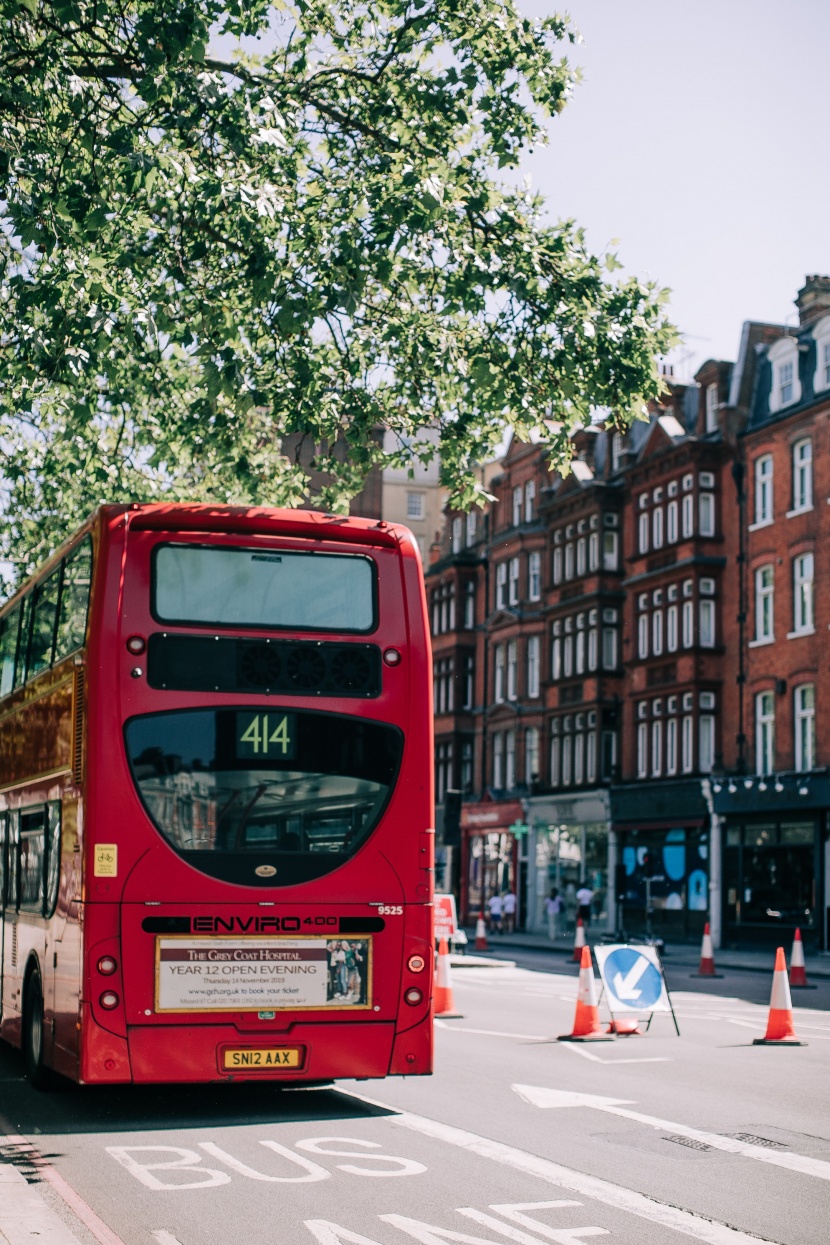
[
  {"x": 78, "y": 728},
  {"x": 189, "y": 663}
]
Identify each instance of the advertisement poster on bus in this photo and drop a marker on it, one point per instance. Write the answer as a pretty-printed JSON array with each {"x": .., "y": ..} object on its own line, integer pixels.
[
  {"x": 444, "y": 917},
  {"x": 262, "y": 974}
]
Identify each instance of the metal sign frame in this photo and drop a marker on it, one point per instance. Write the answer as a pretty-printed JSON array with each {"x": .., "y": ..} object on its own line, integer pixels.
[{"x": 649, "y": 954}]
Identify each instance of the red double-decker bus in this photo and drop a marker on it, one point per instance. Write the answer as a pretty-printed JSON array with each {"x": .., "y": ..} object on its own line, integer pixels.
[{"x": 216, "y": 849}]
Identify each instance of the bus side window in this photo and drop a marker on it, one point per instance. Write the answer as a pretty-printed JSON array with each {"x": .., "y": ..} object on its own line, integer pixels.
[
  {"x": 9, "y": 627},
  {"x": 4, "y": 821},
  {"x": 77, "y": 576},
  {"x": 44, "y": 612},
  {"x": 23, "y": 641},
  {"x": 32, "y": 857},
  {"x": 53, "y": 857}
]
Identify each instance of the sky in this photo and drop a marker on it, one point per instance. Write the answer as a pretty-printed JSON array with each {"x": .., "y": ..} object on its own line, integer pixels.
[{"x": 699, "y": 139}]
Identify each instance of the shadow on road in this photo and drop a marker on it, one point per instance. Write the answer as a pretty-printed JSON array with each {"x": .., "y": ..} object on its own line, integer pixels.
[{"x": 126, "y": 1108}]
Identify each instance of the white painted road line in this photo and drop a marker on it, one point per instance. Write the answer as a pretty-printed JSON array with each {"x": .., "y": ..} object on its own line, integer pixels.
[
  {"x": 589, "y": 1054},
  {"x": 539, "y": 1096},
  {"x": 165, "y": 1238},
  {"x": 25, "y": 1218},
  {"x": 628, "y": 1200}
]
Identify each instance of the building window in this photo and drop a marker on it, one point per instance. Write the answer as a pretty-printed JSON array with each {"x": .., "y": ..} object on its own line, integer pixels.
[
  {"x": 567, "y": 758},
  {"x": 568, "y": 656},
  {"x": 579, "y": 758},
  {"x": 443, "y": 684},
  {"x": 821, "y": 333},
  {"x": 609, "y": 648},
  {"x": 514, "y": 581},
  {"x": 510, "y": 759},
  {"x": 610, "y": 543},
  {"x": 763, "y": 489},
  {"x": 555, "y": 748},
  {"x": 469, "y": 680},
  {"x": 498, "y": 681},
  {"x": 687, "y": 760},
  {"x": 671, "y": 629},
  {"x": 657, "y": 633},
  {"x": 569, "y": 561},
  {"x": 656, "y": 749},
  {"x": 501, "y": 585},
  {"x": 457, "y": 534},
  {"x": 617, "y": 449},
  {"x": 530, "y": 498},
  {"x": 706, "y": 743},
  {"x": 592, "y": 649},
  {"x": 591, "y": 757},
  {"x": 764, "y": 603},
  {"x": 498, "y": 760},
  {"x": 416, "y": 505},
  {"x": 443, "y": 770},
  {"x": 642, "y": 636},
  {"x": 644, "y": 525},
  {"x": 688, "y": 516},
  {"x": 467, "y": 765},
  {"x": 707, "y": 624},
  {"x": 805, "y": 727},
  {"x": 443, "y": 609},
  {"x": 642, "y": 750},
  {"x": 581, "y": 556},
  {"x": 609, "y": 754},
  {"x": 593, "y": 551},
  {"x": 688, "y": 624},
  {"x": 657, "y": 527},
  {"x": 517, "y": 506},
  {"x": 557, "y": 566},
  {"x": 706, "y": 504},
  {"x": 671, "y": 746},
  {"x": 470, "y": 604},
  {"x": 471, "y": 528},
  {"x": 531, "y": 755},
  {"x": 711, "y": 408},
  {"x": 533, "y": 646},
  {"x": 671, "y": 522},
  {"x": 534, "y": 576},
  {"x": 803, "y": 475},
  {"x": 556, "y": 658},
  {"x": 803, "y": 594},
  {"x": 512, "y": 670},
  {"x": 765, "y": 732}
]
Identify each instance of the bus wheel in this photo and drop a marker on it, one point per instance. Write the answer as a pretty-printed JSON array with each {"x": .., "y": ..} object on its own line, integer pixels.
[{"x": 37, "y": 1072}]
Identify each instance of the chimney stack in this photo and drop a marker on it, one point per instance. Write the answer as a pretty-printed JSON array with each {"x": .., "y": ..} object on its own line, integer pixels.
[{"x": 813, "y": 300}]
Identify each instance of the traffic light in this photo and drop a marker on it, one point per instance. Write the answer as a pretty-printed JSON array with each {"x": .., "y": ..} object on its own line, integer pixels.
[{"x": 452, "y": 819}]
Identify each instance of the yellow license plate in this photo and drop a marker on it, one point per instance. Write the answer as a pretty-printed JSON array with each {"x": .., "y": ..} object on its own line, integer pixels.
[{"x": 253, "y": 1058}]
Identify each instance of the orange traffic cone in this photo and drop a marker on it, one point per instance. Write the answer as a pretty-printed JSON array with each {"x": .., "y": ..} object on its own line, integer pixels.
[
  {"x": 625, "y": 1026},
  {"x": 707, "y": 957},
  {"x": 579, "y": 942},
  {"x": 442, "y": 1000},
  {"x": 481, "y": 933},
  {"x": 798, "y": 969},
  {"x": 780, "y": 1031},
  {"x": 586, "y": 1021}
]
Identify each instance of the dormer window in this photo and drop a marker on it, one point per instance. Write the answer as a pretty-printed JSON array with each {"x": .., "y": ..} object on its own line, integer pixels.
[
  {"x": 786, "y": 385},
  {"x": 821, "y": 333},
  {"x": 711, "y": 408}
]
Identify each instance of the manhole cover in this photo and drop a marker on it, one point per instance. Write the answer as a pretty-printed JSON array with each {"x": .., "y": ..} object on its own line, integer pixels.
[
  {"x": 690, "y": 1142},
  {"x": 757, "y": 1141}
]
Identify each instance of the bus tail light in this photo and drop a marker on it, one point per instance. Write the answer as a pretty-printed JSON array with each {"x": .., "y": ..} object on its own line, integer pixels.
[
  {"x": 413, "y": 996},
  {"x": 109, "y": 999},
  {"x": 107, "y": 965},
  {"x": 416, "y": 964}
]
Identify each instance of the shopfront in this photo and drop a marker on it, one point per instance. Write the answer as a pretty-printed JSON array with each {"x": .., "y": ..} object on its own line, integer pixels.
[
  {"x": 773, "y": 856},
  {"x": 663, "y": 843},
  {"x": 567, "y": 847},
  {"x": 491, "y": 863}
]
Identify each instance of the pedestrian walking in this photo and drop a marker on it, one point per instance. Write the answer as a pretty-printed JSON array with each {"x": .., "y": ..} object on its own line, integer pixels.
[
  {"x": 554, "y": 906},
  {"x": 508, "y": 907},
  {"x": 584, "y": 899},
  {"x": 494, "y": 911}
]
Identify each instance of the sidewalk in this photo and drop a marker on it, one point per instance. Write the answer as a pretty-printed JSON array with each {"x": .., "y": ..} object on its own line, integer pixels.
[{"x": 752, "y": 959}]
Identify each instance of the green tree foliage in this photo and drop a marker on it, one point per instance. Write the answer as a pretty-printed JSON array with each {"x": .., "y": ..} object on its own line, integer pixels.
[{"x": 200, "y": 256}]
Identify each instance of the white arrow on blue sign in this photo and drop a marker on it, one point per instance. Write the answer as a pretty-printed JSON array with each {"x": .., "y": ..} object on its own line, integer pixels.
[{"x": 633, "y": 979}]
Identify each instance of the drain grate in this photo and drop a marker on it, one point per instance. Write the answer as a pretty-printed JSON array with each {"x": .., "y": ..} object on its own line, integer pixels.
[
  {"x": 757, "y": 1141},
  {"x": 690, "y": 1142}
]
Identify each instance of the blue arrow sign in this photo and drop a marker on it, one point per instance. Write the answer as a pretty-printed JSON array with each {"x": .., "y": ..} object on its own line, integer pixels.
[{"x": 632, "y": 978}]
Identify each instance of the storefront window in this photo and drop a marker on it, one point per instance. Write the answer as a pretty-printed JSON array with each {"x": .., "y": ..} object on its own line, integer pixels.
[
  {"x": 678, "y": 889},
  {"x": 769, "y": 877}
]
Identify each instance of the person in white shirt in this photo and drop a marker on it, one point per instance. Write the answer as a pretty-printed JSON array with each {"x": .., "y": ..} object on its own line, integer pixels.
[
  {"x": 553, "y": 909},
  {"x": 494, "y": 911},
  {"x": 509, "y": 910},
  {"x": 584, "y": 899}
]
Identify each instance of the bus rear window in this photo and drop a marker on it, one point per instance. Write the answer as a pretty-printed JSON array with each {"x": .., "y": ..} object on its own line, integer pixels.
[
  {"x": 222, "y": 587},
  {"x": 263, "y": 797}
]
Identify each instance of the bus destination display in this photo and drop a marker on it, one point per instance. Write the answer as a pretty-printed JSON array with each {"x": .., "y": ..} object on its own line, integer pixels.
[{"x": 256, "y": 974}]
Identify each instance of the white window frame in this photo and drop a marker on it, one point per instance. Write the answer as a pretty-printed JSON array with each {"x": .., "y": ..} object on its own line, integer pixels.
[
  {"x": 671, "y": 629},
  {"x": 457, "y": 534},
  {"x": 517, "y": 505},
  {"x": 644, "y": 526},
  {"x": 512, "y": 670},
  {"x": 569, "y": 560},
  {"x": 556, "y": 567},
  {"x": 656, "y": 749},
  {"x": 579, "y": 759},
  {"x": 804, "y": 707},
  {"x": 416, "y": 505},
  {"x": 534, "y": 576},
  {"x": 802, "y": 463},
  {"x": 593, "y": 551},
  {"x": 567, "y": 759},
  {"x": 609, "y": 648},
  {"x": 513, "y": 582},
  {"x": 821, "y": 335},
  {"x": 706, "y": 513},
  {"x": 533, "y": 666},
  {"x": 706, "y": 742},
  {"x": 610, "y": 550},
  {"x": 763, "y": 491},
  {"x": 688, "y": 624},
  {"x": 783, "y": 355},
  {"x": 593, "y": 647},
  {"x": 642, "y": 750},
  {"x": 555, "y": 758},
  {"x": 712, "y": 405},
  {"x": 803, "y": 594},
  {"x": 707, "y": 623},
  {"x": 531, "y": 754},
  {"x": 672, "y": 515},
  {"x": 501, "y": 585},
  {"x": 568, "y": 657},
  {"x": 642, "y": 636},
  {"x": 510, "y": 759},
  {"x": 591, "y": 757},
  {"x": 556, "y": 659},
  {"x": 469, "y": 605},
  {"x": 688, "y": 513},
  {"x": 765, "y": 732},
  {"x": 470, "y": 534},
  {"x": 498, "y": 761},
  {"x": 581, "y": 557},
  {"x": 657, "y": 633},
  {"x": 671, "y": 746},
  {"x": 530, "y": 498},
  {"x": 765, "y": 604},
  {"x": 498, "y": 674},
  {"x": 657, "y": 527},
  {"x": 687, "y": 738}
]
